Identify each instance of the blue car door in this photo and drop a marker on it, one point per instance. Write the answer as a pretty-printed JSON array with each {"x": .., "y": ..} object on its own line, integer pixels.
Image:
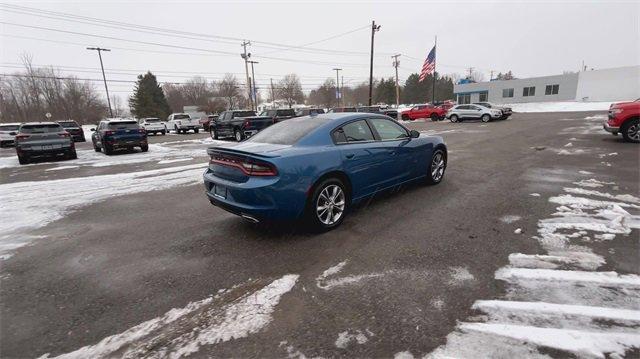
[
  {"x": 396, "y": 165},
  {"x": 360, "y": 157}
]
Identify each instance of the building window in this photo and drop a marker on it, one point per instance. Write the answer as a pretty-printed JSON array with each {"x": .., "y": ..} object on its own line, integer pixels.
[
  {"x": 484, "y": 96},
  {"x": 529, "y": 91},
  {"x": 507, "y": 92},
  {"x": 466, "y": 98},
  {"x": 551, "y": 89}
]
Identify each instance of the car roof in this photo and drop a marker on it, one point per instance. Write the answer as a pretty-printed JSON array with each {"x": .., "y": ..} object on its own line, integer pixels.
[
  {"x": 11, "y": 124},
  {"x": 40, "y": 123},
  {"x": 118, "y": 119}
]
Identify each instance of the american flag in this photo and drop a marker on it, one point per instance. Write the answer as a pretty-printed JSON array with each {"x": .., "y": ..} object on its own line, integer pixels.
[{"x": 429, "y": 64}]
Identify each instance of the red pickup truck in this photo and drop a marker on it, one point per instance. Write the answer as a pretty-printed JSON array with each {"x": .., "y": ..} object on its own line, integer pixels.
[
  {"x": 435, "y": 113},
  {"x": 624, "y": 117}
]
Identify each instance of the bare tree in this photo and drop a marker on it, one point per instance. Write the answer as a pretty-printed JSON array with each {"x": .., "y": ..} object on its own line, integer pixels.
[
  {"x": 325, "y": 95},
  {"x": 290, "y": 90},
  {"x": 229, "y": 89}
]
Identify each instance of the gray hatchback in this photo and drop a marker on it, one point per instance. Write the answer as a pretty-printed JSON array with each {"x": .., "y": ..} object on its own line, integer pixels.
[{"x": 42, "y": 139}]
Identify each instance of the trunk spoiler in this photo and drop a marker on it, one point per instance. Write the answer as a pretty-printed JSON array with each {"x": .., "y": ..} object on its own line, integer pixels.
[{"x": 231, "y": 151}]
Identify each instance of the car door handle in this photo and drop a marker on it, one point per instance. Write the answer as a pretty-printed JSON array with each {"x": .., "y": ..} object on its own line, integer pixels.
[{"x": 350, "y": 155}]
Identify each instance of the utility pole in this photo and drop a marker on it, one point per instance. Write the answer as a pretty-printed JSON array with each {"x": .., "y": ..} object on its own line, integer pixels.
[
  {"x": 491, "y": 76},
  {"x": 254, "y": 91},
  {"x": 273, "y": 98},
  {"x": 374, "y": 28},
  {"x": 396, "y": 63},
  {"x": 245, "y": 57},
  {"x": 342, "y": 88},
  {"x": 338, "y": 94},
  {"x": 470, "y": 72},
  {"x": 99, "y": 49}
]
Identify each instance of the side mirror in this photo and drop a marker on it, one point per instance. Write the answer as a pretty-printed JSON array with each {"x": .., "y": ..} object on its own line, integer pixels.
[
  {"x": 414, "y": 134},
  {"x": 93, "y": 129}
]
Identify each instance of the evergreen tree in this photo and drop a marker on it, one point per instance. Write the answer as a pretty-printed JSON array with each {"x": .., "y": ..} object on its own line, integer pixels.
[
  {"x": 385, "y": 91},
  {"x": 421, "y": 92},
  {"x": 148, "y": 99}
]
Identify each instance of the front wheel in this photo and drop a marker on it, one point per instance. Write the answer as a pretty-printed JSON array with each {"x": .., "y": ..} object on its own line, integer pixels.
[
  {"x": 144, "y": 148},
  {"x": 73, "y": 155},
  {"x": 453, "y": 118},
  {"x": 213, "y": 132},
  {"x": 405, "y": 118},
  {"x": 238, "y": 135},
  {"x": 108, "y": 150},
  {"x": 434, "y": 117},
  {"x": 23, "y": 160},
  {"x": 486, "y": 118},
  {"x": 631, "y": 131},
  {"x": 328, "y": 206},
  {"x": 163, "y": 132},
  {"x": 196, "y": 130},
  {"x": 96, "y": 148},
  {"x": 438, "y": 165}
]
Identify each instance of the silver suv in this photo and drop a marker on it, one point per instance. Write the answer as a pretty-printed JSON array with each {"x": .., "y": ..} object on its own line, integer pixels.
[
  {"x": 39, "y": 139},
  {"x": 472, "y": 112}
]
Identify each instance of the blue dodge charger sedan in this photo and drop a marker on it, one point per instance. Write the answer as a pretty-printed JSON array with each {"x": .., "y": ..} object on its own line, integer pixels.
[{"x": 315, "y": 167}]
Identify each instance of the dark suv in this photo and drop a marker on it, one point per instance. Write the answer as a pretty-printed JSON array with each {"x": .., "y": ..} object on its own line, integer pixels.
[
  {"x": 279, "y": 114},
  {"x": 41, "y": 139},
  {"x": 116, "y": 133},
  {"x": 308, "y": 111},
  {"x": 74, "y": 129}
]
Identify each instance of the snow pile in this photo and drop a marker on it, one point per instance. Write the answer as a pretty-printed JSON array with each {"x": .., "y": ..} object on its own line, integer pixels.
[
  {"x": 323, "y": 282},
  {"x": 559, "y": 300},
  {"x": 347, "y": 337},
  {"x": 569, "y": 106},
  {"x": 182, "y": 332},
  {"x": 22, "y": 202}
]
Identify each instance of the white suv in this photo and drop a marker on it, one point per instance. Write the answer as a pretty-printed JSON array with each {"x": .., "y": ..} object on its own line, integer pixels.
[
  {"x": 182, "y": 122},
  {"x": 475, "y": 112},
  {"x": 153, "y": 125}
]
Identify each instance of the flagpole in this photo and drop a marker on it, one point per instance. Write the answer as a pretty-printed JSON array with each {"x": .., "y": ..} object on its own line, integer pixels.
[{"x": 433, "y": 89}]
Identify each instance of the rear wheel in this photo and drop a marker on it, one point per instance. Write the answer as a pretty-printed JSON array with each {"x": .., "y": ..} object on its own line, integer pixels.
[
  {"x": 96, "y": 148},
  {"x": 238, "y": 135},
  {"x": 176, "y": 129},
  {"x": 328, "y": 206},
  {"x": 163, "y": 132},
  {"x": 453, "y": 118},
  {"x": 196, "y": 130},
  {"x": 23, "y": 160},
  {"x": 486, "y": 118},
  {"x": 631, "y": 130},
  {"x": 108, "y": 150},
  {"x": 144, "y": 148},
  {"x": 434, "y": 117},
  {"x": 405, "y": 117},
  {"x": 436, "y": 169}
]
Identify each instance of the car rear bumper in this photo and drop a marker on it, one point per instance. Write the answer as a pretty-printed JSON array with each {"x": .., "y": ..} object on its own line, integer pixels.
[
  {"x": 612, "y": 129},
  {"x": 126, "y": 143},
  {"x": 44, "y": 150},
  {"x": 7, "y": 142}
]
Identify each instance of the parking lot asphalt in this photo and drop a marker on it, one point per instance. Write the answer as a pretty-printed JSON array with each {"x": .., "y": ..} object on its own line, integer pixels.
[{"x": 396, "y": 278}]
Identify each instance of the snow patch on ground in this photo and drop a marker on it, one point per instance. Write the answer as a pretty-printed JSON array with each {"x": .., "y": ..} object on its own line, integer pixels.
[
  {"x": 592, "y": 183},
  {"x": 567, "y": 106},
  {"x": 518, "y": 231},
  {"x": 460, "y": 275},
  {"x": 22, "y": 206},
  {"x": 565, "y": 152},
  {"x": 182, "y": 332},
  {"x": 510, "y": 218},
  {"x": 323, "y": 282},
  {"x": 347, "y": 337},
  {"x": 62, "y": 168},
  {"x": 175, "y": 160},
  {"x": 534, "y": 194}
]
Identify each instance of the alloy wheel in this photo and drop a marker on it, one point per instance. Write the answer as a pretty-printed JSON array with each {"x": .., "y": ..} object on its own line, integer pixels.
[
  {"x": 633, "y": 132},
  {"x": 330, "y": 204},
  {"x": 437, "y": 166}
]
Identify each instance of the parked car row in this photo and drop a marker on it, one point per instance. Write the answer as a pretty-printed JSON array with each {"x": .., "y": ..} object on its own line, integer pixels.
[{"x": 9, "y": 131}]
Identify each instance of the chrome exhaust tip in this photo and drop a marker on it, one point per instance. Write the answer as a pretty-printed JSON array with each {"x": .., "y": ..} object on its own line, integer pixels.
[{"x": 250, "y": 218}]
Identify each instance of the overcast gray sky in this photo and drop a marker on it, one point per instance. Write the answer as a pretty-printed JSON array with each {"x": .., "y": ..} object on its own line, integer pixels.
[{"x": 529, "y": 38}]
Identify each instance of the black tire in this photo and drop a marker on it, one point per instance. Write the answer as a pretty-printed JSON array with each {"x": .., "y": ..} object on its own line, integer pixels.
[
  {"x": 144, "y": 148},
  {"x": 434, "y": 117},
  {"x": 485, "y": 118},
  {"x": 311, "y": 213},
  {"x": 108, "y": 150},
  {"x": 23, "y": 160},
  {"x": 176, "y": 129},
  {"x": 453, "y": 118},
  {"x": 196, "y": 130},
  {"x": 405, "y": 117},
  {"x": 237, "y": 134},
  {"x": 96, "y": 148},
  {"x": 213, "y": 133},
  {"x": 631, "y": 130},
  {"x": 163, "y": 132},
  {"x": 439, "y": 158},
  {"x": 72, "y": 155}
]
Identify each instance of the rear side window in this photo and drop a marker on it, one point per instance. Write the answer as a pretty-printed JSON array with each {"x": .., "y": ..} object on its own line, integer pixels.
[
  {"x": 149, "y": 120},
  {"x": 243, "y": 114},
  {"x": 357, "y": 131},
  {"x": 129, "y": 125},
  {"x": 290, "y": 112},
  {"x": 9, "y": 127},
  {"x": 287, "y": 132},
  {"x": 388, "y": 130},
  {"x": 181, "y": 117},
  {"x": 68, "y": 124},
  {"x": 41, "y": 128}
]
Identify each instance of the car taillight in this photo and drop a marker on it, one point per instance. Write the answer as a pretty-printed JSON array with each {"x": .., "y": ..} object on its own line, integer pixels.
[
  {"x": 248, "y": 167},
  {"x": 22, "y": 137},
  {"x": 142, "y": 130},
  {"x": 107, "y": 133},
  {"x": 247, "y": 123},
  {"x": 64, "y": 134}
]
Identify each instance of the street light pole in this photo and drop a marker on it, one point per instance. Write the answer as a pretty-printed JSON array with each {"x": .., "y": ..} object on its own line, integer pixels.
[
  {"x": 254, "y": 90},
  {"x": 396, "y": 63},
  {"x": 246, "y": 57},
  {"x": 103, "y": 76},
  {"x": 374, "y": 28},
  {"x": 338, "y": 94}
]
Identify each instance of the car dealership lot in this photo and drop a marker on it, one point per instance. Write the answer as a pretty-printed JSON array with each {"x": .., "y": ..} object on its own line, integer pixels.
[{"x": 125, "y": 255}]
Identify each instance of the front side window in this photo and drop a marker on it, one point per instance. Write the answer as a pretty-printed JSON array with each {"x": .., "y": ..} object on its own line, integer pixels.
[
  {"x": 357, "y": 131},
  {"x": 181, "y": 117},
  {"x": 507, "y": 92},
  {"x": 388, "y": 130},
  {"x": 551, "y": 89},
  {"x": 529, "y": 91},
  {"x": 9, "y": 127}
]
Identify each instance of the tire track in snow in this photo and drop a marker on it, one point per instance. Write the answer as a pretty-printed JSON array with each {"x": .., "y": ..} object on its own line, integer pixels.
[{"x": 559, "y": 300}]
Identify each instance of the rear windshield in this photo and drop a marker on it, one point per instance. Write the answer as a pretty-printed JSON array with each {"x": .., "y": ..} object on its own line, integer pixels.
[
  {"x": 287, "y": 132},
  {"x": 243, "y": 114},
  {"x": 68, "y": 124},
  {"x": 181, "y": 117},
  {"x": 290, "y": 112},
  {"x": 41, "y": 128},
  {"x": 151, "y": 120},
  {"x": 9, "y": 127},
  {"x": 129, "y": 125}
]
